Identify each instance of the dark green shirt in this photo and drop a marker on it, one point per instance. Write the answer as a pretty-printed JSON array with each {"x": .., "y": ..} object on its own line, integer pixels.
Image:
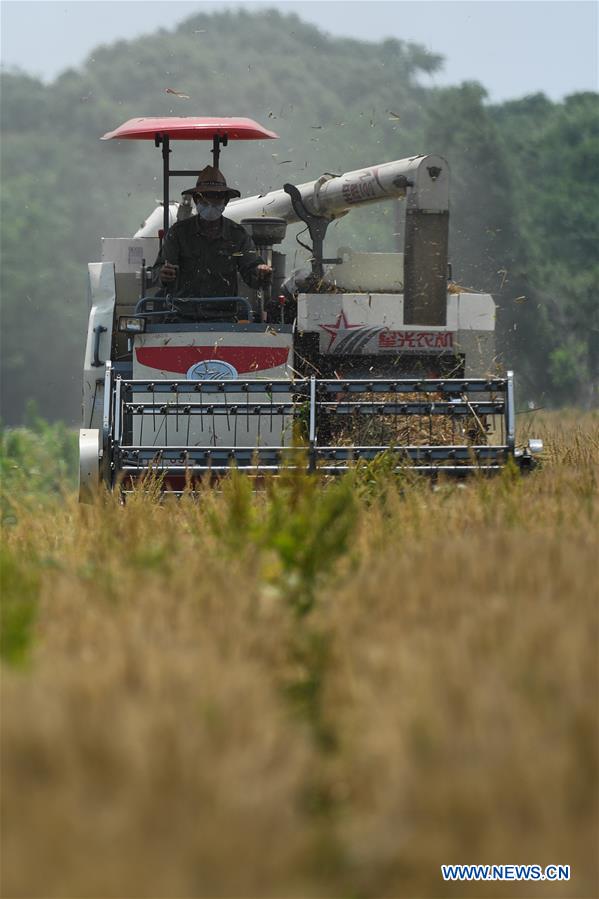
[{"x": 208, "y": 266}]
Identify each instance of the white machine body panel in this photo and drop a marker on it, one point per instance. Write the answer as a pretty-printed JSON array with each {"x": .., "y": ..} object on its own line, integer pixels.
[
  {"x": 364, "y": 272},
  {"x": 367, "y": 323},
  {"x": 90, "y": 449},
  {"x": 216, "y": 354},
  {"x": 102, "y": 299},
  {"x": 128, "y": 253},
  {"x": 476, "y": 312}
]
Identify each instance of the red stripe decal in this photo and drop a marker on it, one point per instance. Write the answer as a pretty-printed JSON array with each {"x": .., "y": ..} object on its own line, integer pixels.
[{"x": 179, "y": 359}]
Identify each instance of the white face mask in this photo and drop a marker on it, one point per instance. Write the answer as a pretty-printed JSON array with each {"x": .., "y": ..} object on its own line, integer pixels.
[{"x": 210, "y": 212}]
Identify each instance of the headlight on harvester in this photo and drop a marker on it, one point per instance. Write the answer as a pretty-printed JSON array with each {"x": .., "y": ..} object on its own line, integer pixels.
[{"x": 132, "y": 324}]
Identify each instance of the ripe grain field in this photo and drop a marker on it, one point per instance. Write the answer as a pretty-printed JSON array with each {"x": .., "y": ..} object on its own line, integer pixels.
[{"x": 310, "y": 691}]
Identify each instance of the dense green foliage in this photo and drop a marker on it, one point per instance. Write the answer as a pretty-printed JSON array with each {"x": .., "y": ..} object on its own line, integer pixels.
[
  {"x": 524, "y": 193},
  {"x": 37, "y": 461}
]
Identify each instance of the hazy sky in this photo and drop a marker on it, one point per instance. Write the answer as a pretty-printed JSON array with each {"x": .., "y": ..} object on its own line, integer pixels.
[{"x": 513, "y": 47}]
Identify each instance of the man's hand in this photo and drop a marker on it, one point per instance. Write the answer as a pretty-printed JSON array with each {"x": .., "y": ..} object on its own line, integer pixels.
[
  {"x": 168, "y": 273},
  {"x": 264, "y": 273}
]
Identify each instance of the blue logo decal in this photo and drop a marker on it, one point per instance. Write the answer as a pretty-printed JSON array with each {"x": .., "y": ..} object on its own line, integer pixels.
[{"x": 211, "y": 370}]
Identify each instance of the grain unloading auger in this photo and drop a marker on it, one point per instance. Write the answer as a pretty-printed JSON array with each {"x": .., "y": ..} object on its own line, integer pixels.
[{"x": 362, "y": 354}]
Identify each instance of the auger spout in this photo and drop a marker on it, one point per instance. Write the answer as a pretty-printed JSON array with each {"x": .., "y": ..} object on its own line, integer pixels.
[{"x": 423, "y": 179}]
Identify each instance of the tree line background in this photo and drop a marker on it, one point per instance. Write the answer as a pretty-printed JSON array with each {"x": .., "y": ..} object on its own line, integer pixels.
[{"x": 524, "y": 189}]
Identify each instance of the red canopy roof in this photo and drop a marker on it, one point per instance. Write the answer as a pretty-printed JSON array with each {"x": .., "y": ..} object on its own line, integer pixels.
[{"x": 189, "y": 128}]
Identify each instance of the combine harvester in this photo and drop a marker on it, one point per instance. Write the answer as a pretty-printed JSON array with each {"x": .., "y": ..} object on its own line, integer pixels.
[{"x": 364, "y": 353}]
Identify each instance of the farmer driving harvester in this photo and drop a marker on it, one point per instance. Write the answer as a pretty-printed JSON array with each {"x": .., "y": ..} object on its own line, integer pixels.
[{"x": 201, "y": 255}]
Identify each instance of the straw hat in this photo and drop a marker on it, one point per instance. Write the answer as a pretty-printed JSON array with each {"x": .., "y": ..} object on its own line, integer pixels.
[{"x": 211, "y": 180}]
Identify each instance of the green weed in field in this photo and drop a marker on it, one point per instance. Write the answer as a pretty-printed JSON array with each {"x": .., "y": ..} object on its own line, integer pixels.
[
  {"x": 19, "y": 583},
  {"x": 299, "y": 525}
]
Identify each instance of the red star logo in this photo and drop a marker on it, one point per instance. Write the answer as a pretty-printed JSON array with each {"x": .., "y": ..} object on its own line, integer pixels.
[{"x": 340, "y": 325}]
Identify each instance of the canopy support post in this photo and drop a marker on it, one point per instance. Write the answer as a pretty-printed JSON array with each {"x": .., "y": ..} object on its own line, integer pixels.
[
  {"x": 217, "y": 140},
  {"x": 164, "y": 140}
]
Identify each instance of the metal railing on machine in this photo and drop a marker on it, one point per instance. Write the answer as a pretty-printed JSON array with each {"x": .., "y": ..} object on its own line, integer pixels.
[{"x": 194, "y": 428}]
